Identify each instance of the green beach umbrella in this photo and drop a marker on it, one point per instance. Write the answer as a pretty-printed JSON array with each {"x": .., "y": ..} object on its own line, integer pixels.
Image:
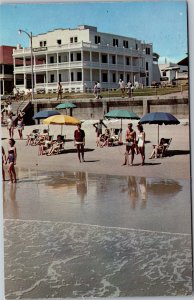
[
  {"x": 121, "y": 114},
  {"x": 66, "y": 105}
]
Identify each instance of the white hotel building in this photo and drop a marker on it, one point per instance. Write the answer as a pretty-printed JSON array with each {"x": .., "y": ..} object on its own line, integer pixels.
[{"x": 79, "y": 57}]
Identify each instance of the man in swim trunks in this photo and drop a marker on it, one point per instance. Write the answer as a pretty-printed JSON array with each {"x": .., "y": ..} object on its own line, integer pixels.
[{"x": 130, "y": 137}]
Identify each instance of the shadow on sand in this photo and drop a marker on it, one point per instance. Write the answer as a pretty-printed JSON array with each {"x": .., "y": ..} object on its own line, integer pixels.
[{"x": 177, "y": 152}]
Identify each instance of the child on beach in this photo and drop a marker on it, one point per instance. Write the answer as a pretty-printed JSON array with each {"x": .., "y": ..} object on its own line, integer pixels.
[{"x": 11, "y": 158}]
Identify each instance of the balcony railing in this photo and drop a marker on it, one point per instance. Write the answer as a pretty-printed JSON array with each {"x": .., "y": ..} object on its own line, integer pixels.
[{"x": 77, "y": 46}]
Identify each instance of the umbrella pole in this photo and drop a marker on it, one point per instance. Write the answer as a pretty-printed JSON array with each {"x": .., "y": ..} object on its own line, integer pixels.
[
  {"x": 158, "y": 134},
  {"x": 61, "y": 129}
]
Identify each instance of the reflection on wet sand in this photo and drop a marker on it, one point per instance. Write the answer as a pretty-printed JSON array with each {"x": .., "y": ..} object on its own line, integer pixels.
[{"x": 80, "y": 235}]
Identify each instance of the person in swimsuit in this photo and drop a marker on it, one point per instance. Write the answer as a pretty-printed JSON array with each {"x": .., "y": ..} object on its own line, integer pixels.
[
  {"x": 3, "y": 162},
  {"x": 141, "y": 142},
  {"x": 10, "y": 125},
  {"x": 98, "y": 127},
  {"x": 20, "y": 126},
  {"x": 79, "y": 141},
  {"x": 131, "y": 143},
  {"x": 11, "y": 159}
]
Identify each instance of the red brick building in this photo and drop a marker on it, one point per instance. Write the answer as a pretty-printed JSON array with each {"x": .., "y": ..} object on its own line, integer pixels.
[{"x": 6, "y": 69}]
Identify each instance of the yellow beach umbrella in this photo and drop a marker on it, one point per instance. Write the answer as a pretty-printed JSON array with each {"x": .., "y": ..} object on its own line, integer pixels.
[{"x": 61, "y": 120}]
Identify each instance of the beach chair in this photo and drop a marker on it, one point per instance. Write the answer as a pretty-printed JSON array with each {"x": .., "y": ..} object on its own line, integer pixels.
[
  {"x": 162, "y": 152},
  {"x": 115, "y": 136}
]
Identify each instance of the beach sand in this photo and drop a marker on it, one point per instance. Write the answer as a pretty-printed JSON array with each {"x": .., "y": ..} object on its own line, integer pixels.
[{"x": 108, "y": 160}]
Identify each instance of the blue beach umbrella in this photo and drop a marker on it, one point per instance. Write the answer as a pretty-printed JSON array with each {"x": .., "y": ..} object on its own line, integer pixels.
[
  {"x": 159, "y": 118},
  {"x": 43, "y": 114}
]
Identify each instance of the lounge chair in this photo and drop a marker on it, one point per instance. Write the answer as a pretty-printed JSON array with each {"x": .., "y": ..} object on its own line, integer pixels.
[
  {"x": 166, "y": 145},
  {"x": 114, "y": 137}
]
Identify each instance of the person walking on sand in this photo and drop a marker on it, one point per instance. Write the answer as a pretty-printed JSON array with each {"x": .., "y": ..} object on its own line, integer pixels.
[
  {"x": 131, "y": 144},
  {"x": 98, "y": 127},
  {"x": 59, "y": 91},
  {"x": 11, "y": 159},
  {"x": 3, "y": 162},
  {"x": 79, "y": 142},
  {"x": 141, "y": 142}
]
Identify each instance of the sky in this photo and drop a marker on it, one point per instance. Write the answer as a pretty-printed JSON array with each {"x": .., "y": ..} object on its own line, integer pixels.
[{"x": 162, "y": 23}]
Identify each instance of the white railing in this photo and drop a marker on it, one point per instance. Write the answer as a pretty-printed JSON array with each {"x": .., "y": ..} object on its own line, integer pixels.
[{"x": 81, "y": 45}]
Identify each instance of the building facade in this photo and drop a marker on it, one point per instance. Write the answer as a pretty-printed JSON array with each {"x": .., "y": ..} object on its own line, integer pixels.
[
  {"x": 6, "y": 69},
  {"x": 79, "y": 57}
]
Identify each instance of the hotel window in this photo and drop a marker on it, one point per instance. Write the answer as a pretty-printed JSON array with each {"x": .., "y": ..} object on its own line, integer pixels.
[
  {"x": 72, "y": 76},
  {"x": 115, "y": 42},
  {"x": 71, "y": 40},
  {"x": 42, "y": 43},
  {"x": 59, "y": 58},
  {"x": 60, "y": 78},
  {"x": 127, "y": 61},
  {"x": 164, "y": 73},
  {"x": 147, "y": 66},
  {"x": 136, "y": 46},
  {"x": 71, "y": 56},
  {"x": 59, "y": 42},
  {"x": 148, "y": 51},
  {"x": 75, "y": 39},
  {"x": 97, "y": 39},
  {"x": 52, "y": 78},
  {"x": 104, "y": 58},
  {"x": 104, "y": 77},
  {"x": 125, "y": 44},
  {"x": 52, "y": 60},
  {"x": 113, "y": 59},
  {"x": 79, "y": 57},
  {"x": 113, "y": 77},
  {"x": 79, "y": 76}
]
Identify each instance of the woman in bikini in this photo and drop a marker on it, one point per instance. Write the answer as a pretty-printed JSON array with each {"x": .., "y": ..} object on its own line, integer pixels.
[{"x": 11, "y": 158}]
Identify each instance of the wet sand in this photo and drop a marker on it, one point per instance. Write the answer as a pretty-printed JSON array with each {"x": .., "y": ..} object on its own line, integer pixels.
[{"x": 99, "y": 229}]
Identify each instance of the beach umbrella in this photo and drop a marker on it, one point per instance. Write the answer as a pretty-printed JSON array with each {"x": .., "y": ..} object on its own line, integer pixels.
[
  {"x": 159, "y": 118},
  {"x": 121, "y": 114},
  {"x": 62, "y": 120},
  {"x": 43, "y": 114},
  {"x": 66, "y": 105}
]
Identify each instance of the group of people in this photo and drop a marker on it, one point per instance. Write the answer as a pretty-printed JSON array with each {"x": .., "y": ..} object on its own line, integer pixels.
[
  {"x": 135, "y": 143},
  {"x": 19, "y": 126},
  {"x": 123, "y": 87},
  {"x": 9, "y": 159}
]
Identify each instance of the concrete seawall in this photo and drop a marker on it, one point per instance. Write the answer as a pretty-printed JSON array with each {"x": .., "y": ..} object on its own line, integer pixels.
[{"x": 94, "y": 109}]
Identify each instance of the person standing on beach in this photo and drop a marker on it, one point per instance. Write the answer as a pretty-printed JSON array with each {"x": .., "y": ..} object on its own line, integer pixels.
[
  {"x": 79, "y": 142},
  {"x": 20, "y": 124},
  {"x": 141, "y": 142},
  {"x": 11, "y": 159},
  {"x": 98, "y": 127},
  {"x": 10, "y": 125},
  {"x": 59, "y": 91},
  {"x": 131, "y": 144},
  {"x": 3, "y": 162}
]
